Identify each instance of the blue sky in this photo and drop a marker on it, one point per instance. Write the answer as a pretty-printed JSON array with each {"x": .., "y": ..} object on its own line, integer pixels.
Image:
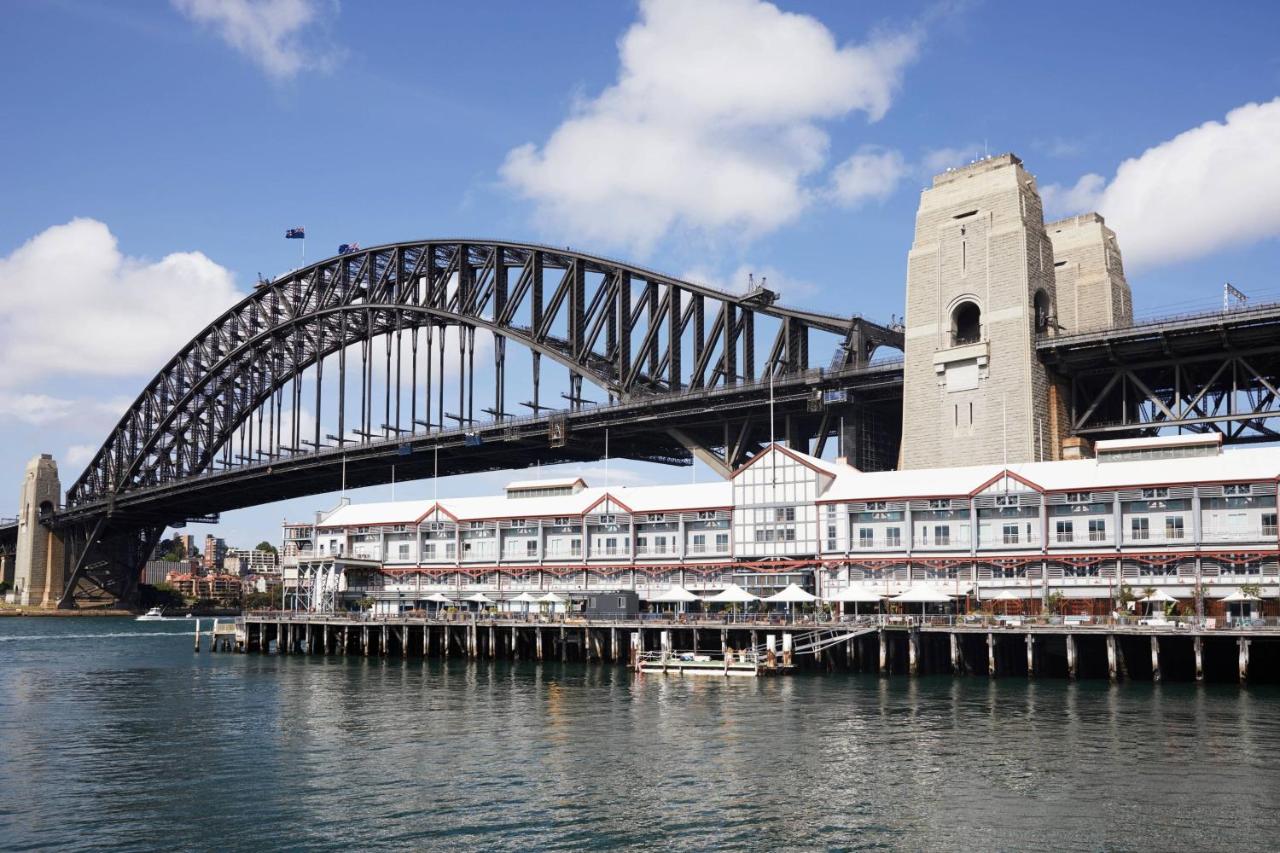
[{"x": 154, "y": 153}]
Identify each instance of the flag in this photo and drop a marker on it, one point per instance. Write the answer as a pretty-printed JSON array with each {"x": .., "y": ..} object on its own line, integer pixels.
[
  {"x": 348, "y": 248},
  {"x": 296, "y": 234}
]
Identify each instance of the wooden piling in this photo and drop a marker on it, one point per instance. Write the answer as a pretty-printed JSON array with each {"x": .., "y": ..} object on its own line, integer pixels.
[
  {"x": 1155, "y": 658},
  {"x": 1031, "y": 656},
  {"x": 913, "y": 652},
  {"x": 1071, "y": 657},
  {"x": 991, "y": 655},
  {"x": 1244, "y": 659},
  {"x": 197, "y": 644},
  {"x": 1113, "y": 672},
  {"x": 884, "y": 653},
  {"x": 1197, "y": 645}
]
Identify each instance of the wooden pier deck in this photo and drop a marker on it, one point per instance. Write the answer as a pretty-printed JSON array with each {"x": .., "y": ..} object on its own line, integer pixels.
[{"x": 888, "y": 645}]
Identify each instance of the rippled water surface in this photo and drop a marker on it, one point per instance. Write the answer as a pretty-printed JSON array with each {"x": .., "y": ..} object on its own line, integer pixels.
[{"x": 113, "y": 735}]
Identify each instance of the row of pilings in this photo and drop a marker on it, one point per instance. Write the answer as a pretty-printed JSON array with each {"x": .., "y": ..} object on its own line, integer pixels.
[{"x": 1004, "y": 653}]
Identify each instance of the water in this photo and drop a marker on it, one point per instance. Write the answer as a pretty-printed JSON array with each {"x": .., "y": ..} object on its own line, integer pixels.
[{"x": 113, "y": 735}]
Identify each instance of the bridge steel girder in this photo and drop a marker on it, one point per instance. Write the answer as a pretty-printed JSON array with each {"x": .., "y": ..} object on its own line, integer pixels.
[
  {"x": 637, "y": 334},
  {"x": 1217, "y": 372}
]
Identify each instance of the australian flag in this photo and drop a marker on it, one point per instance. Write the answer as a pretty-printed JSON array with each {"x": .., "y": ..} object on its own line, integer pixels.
[
  {"x": 296, "y": 234},
  {"x": 348, "y": 248}
]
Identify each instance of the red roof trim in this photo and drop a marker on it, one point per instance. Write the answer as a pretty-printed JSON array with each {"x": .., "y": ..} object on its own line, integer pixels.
[
  {"x": 1007, "y": 473},
  {"x": 787, "y": 452}
]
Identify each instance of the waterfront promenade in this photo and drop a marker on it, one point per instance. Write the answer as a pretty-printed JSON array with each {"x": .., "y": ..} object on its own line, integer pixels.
[{"x": 1117, "y": 648}]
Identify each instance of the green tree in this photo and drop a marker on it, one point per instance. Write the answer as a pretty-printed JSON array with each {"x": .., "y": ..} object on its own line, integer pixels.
[{"x": 264, "y": 545}]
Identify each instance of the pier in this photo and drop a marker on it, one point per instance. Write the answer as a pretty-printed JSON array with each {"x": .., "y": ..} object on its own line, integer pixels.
[{"x": 889, "y": 645}]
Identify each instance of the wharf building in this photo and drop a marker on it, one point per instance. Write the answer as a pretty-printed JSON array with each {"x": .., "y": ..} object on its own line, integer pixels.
[{"x": 1177, "y": 514}]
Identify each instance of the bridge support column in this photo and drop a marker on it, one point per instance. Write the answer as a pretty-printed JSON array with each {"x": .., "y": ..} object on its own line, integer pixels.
[
  {"x": 1197, "y": 646},
  {"x": 913, "y": 651},
  {"x": 1113, "y": 671},
  {"x": 1244, "y": 659},
  {"x": 884, "y": 653},
  {"x": 1031, "y": 655},
  {"x": 38, "y": 559},
  {"x": 1071, "y": 657},
  {"x": 991, "y": 655},
  {"x": 1155, "y": 658}
]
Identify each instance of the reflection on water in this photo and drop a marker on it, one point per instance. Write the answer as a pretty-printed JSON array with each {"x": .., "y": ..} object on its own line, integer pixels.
[{"x": 133, "y": 742}]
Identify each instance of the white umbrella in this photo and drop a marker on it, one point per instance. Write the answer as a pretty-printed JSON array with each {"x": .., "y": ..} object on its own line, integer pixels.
[
  {"x": 733, "y": 594},
  {"x": 791, "y": 595},
  {"x": 1239, "y": 596},
  {"x": 526, "y": 599},
  {"x": 1159, "y": 596},
  {"x": 922, "y": 595},
  {"x": 552, "y": 598},
  {"x": 1005, "y": 595},
  {"x": 479, "y": 598},
  {"x": 855, "y": 595},
  {"x": 439, "y": 598},
  {"x": 674, "y": 594}
]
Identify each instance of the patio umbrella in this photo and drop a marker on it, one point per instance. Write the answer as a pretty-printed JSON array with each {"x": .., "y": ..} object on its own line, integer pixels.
[
  {"x": 733, "y": 594},
  {"x": 854, "y": 594},
  {"x": 922, "y": 595},
  {"x": 439, "y": 599},
  {"x": 789, "y": 596},
  {"x": 674, "y": 595},
  {"x": 1159, "y": 596},
  {"x": 1238, "y": 596},
  {"x": 526, "y": 599},
  {"x": 1005, "y": 595},
  {"x": 479, "y": 598},
  {"x": 552, "y": 599}
]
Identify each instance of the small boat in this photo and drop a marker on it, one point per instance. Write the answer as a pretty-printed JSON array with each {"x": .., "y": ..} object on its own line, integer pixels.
[{"x": 153, "y": 615}]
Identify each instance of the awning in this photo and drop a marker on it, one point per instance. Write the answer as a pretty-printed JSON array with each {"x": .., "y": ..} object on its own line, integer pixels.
[{"x": 793, "y": 594}]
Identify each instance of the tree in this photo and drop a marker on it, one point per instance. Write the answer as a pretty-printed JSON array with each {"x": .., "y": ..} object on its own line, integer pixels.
[{"x": 264, "y": 545}]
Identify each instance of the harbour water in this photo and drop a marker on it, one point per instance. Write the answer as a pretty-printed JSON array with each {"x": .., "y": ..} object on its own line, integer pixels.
[{"x": 114, "y": 735}]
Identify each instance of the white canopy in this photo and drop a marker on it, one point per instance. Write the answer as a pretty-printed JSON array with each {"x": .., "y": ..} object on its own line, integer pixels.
[
  {"x": 1240, "y": 596},
  {"x": 733, "y": 594},
  {"x": 479, "y": 598},
  {"x": 1004, "y": 595},
  {"x": 1158, "y": 597},
  {"x": 791, "y": 595},
  {"x": 551, "y": 598},
  {"x": 525, "y": 597},
  {"x": 439, "y": 598},
  {"x": 855, "y": 595},
  {"x": 922, "y": 595},
  {"x": 674, "y": 594}
]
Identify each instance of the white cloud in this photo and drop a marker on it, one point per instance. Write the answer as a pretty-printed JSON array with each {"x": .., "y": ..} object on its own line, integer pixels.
[
  {"x": 938, "y": 160},
  {"x": 1212, "y": 187},
  {"x": 71, "y": 303},
  {"x": 35, "y": 409},
  {"x": 269, "y": 32},
  {"x": 78, "y": 455},
  {"x": 871, "y": 174},
  {"x": 711, "y": 124}
]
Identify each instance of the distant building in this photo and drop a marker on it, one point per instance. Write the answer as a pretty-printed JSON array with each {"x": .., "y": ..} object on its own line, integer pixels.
[
  {"x": 155, "y": 571},
  {"x": 217, "y": 587},
  {"x": 215, "y": 551},
  {"x": 187, "y": 541},
  {"x": 250, "y": 561}
]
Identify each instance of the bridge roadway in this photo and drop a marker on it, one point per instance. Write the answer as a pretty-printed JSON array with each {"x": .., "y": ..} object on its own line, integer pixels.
[
  {"x": 912, "y": 645},
  {"x": 637, "y": 429}
]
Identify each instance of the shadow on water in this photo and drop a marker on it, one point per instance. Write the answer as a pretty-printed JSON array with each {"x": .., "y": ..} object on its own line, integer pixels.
[{"x": 133, "y": 742}]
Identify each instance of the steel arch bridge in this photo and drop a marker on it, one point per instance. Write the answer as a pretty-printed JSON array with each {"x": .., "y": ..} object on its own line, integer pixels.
[{"x": 345, "y": 370}]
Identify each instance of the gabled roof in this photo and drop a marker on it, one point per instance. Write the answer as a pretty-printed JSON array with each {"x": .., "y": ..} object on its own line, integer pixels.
[{"x": 822, "y": 466}]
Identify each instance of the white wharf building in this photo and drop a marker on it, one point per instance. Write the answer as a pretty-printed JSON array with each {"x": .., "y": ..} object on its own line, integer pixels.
[{"x": 1177, "y": 514}]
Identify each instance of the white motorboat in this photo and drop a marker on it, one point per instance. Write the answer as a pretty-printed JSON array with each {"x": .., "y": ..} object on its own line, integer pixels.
[{"x": 155, "y": 614}]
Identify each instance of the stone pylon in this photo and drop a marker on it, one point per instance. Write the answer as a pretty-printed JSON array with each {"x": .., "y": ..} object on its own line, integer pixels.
[{"x": 39, "y": 570}]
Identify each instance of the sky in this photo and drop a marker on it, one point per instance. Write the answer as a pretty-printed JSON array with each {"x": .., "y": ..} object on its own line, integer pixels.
[{"x": 153, "y": 153}]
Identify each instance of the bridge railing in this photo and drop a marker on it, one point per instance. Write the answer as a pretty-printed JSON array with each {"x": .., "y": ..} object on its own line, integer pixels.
[{"x": 1155, "y": 323}]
